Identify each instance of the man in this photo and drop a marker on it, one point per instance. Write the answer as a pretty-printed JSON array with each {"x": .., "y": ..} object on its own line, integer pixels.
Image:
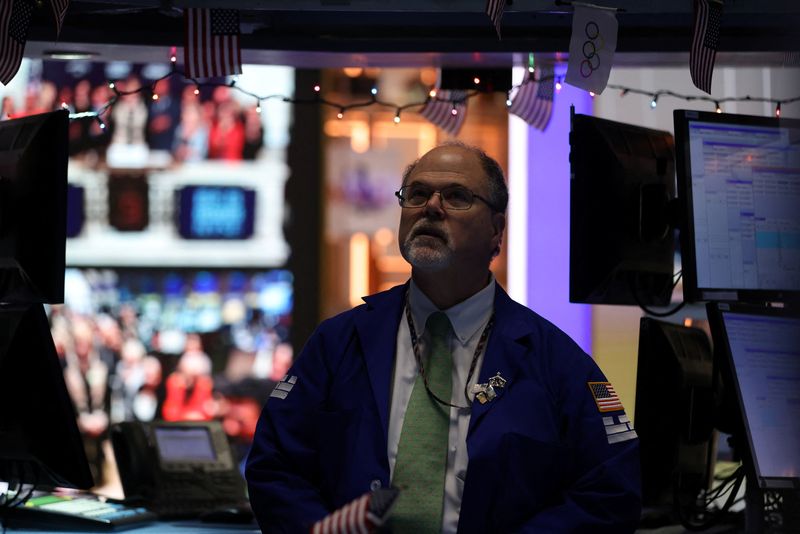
[{"x": 532, "y": 439}]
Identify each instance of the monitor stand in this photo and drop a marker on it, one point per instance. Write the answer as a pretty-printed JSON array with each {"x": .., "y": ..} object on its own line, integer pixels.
[{"x": 782, "y": 516}]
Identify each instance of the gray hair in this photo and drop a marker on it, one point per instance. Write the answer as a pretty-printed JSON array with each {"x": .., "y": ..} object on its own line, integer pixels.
[{"x": 498, "y": 190}]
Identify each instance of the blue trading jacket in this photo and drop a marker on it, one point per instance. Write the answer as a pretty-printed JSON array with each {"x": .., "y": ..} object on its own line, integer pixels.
[{"x": 542, "y": 457}]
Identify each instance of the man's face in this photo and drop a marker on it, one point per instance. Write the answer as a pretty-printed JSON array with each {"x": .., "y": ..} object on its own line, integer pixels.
[{"x": 433, "y": 238}]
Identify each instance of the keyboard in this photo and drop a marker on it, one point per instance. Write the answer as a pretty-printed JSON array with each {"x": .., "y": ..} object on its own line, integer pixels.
[
  {"x": 191, "y": 495},
  {"x": 82, "y": 512}
]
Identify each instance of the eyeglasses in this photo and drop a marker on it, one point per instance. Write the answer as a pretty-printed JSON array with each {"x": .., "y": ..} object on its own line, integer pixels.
[{"x": 454, "y": 197}]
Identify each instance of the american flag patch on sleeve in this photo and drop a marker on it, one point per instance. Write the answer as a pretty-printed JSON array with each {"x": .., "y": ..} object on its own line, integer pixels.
[{"x": 604, "y": 396}]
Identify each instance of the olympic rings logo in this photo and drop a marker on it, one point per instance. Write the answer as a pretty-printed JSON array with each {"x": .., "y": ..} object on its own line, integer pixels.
[{"x": 591, "y": 49}]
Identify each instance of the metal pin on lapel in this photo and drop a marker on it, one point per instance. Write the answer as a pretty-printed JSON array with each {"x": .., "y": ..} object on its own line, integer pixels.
[
  {"x": 497, "y": 381},
  {"x": 484, "y": 392}
]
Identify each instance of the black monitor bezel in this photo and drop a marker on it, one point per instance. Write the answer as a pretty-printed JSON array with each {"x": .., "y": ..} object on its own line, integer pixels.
[
  {"x": 38, "y": 411},
  {"x": 34, "y": 162},
  {"x": 606, "y": 222},
  {"x": 724, "y": 358},
  {"x": 679, "y": 451},
  {"x": 691, "y": 292}
]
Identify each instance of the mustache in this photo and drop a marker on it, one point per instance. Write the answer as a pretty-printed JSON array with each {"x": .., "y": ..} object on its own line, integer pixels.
[{"x": 425, "y": 228}]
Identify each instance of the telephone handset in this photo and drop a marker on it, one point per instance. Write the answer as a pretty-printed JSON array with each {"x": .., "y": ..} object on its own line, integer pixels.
[
  {"x": 135, "y": 457},
  {"x": 177, "y": 469}
]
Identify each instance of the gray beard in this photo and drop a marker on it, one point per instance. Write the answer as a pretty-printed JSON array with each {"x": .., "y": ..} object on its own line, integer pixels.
[{"x": 426, "y": 258}]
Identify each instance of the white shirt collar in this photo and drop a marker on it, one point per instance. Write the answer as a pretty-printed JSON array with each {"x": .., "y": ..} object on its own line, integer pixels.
[{"x": 466, "y": 317}]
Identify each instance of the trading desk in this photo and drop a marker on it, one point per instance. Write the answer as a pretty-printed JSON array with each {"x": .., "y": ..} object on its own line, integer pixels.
[
  {"x": 196, "y": 527},
  {"x": 156, "y": 527}
]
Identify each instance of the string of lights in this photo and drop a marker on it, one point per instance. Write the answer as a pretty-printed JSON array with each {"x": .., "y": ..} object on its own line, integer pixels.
[
  {"x": 433, "y": 95},
  {"x": 654, "y": 96}
]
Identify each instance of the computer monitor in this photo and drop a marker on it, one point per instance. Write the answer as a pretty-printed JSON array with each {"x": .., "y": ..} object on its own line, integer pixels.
[
  {"x": 39, "y": 439},
  {"x": 760, "y": 349},
  {"x": 33, "y": 208},
  {"x": 621, "y": 238},
  {"x": 739, "y": 178},
  {"x": 674, "y": 412}
]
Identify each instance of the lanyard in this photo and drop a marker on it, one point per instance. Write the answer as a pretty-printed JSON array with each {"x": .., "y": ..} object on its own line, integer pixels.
[{"x": 418, "y": 358}]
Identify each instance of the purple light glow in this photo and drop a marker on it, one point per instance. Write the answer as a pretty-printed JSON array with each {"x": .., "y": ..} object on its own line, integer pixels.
[{"x": 548, "y": 218}]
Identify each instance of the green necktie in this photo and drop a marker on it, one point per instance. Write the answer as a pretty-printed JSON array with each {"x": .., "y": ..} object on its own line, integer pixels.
[{"x": 422, "y": 452}]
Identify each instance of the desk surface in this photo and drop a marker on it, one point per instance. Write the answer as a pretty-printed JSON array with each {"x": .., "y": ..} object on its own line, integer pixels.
[
  {"x": 158, "y": 527},
  {"x": 198, "y": 527}
]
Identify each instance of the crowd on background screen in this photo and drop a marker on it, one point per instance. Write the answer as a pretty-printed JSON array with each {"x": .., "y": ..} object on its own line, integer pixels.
[
  {"x": 179, "y": 122},
  {"x": 118, "y": 368}
]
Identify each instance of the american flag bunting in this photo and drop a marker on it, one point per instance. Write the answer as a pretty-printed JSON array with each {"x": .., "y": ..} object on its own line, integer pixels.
[
  {"x": 15, "y": 20},
  {"x": 495, "y": 8},
  {"x": 212, "y": 45},
  {"x": 439, "y": 110},
  {"x": 605, "y": 397},
  {"x": 533, "y": 101},
  {"x": 59, "y": 10},
  {"x": 351, "y": 518},
  {"x": 705, "y": 40}
]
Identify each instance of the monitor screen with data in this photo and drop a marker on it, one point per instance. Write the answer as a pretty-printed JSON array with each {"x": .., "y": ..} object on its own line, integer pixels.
[
  {"x": 763, "y": 349},
  {"x": 739, "y": 178}
]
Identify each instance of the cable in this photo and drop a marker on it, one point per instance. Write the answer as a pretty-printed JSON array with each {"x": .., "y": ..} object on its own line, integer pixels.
[
  {"x": 667, "y": 313},
  {"x": 634, "y": 291},
  {"x": 688, "y": 514}
]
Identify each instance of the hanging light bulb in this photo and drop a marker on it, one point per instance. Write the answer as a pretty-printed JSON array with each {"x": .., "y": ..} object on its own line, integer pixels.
[
  {"x": 155, "y": 96},
  {"x": 258, "y": 107},
  {"x": 508, "y": 102},
  {"x": 558, "y": 86},
  {"x": 654, "y": 102},
  {"x": 591, "y": 93},
  {"x": 454, "y": 111},
  {"x": 197, "y": 91},
  {"x": 111, "y": 85},
  {"x": 778, "y": 110},
  {"x": 340, "y": 115},
  {"x": 432, "y": 93},
  {"x": 317, "y": 88},
  {"x": 374, "y": 91},
  {"x": 397, "y": 117},
  {"x": 476, "y": 80}
]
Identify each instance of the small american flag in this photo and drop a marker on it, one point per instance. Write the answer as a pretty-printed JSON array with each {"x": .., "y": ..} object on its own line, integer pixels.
[
  {"x": 439, "y": 110},
  {"x": 15, "y": 20},
  {"x": 494, "y": 8},
  {"x": 605, "y": 397},
  {"x": 533, "y": 101},
  {"x": 705, "y": 40},
  {"x": 351, "y": 518},
  {"x": 212, "y": 43},
  {"x": 59, "y": 10}
]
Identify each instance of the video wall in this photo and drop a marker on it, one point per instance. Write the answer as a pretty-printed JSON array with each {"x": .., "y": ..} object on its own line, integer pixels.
[
  {"x": 178, "y": 303},
  {"x": 174, "y": 344}
]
